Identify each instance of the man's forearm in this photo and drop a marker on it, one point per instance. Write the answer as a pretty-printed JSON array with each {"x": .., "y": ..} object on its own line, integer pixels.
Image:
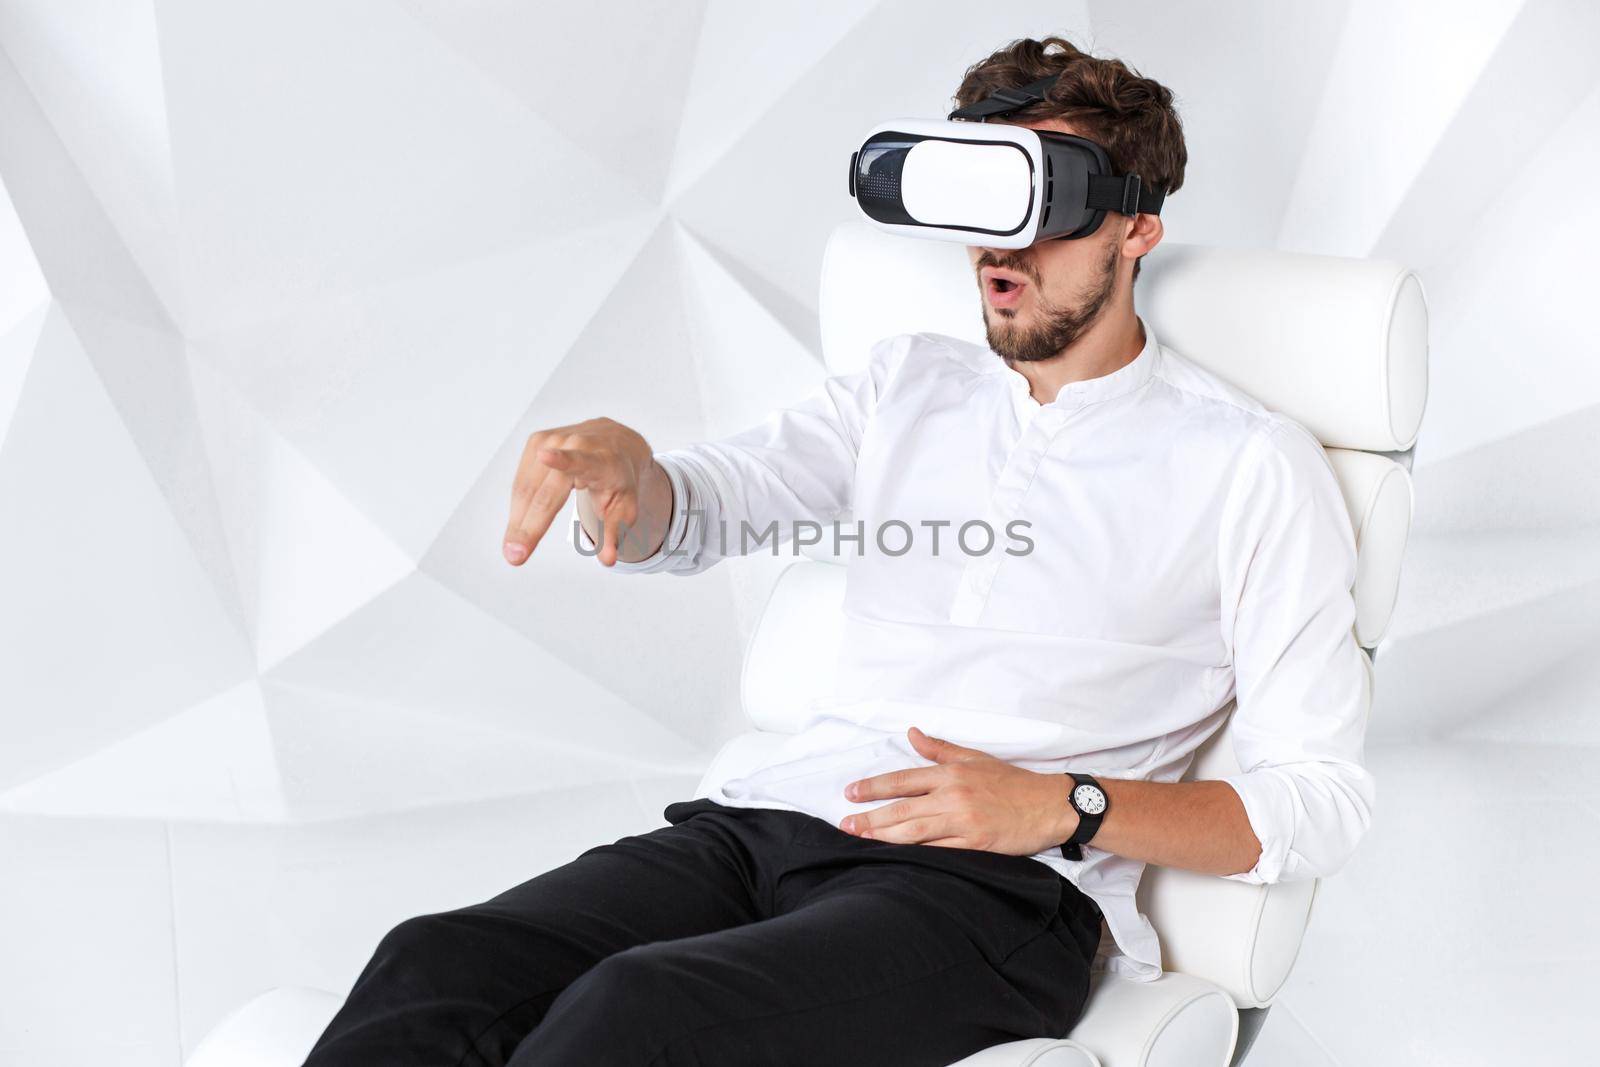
[{"x": 1199, "y": 826}]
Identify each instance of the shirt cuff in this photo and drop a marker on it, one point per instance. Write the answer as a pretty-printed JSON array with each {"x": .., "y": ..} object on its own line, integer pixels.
[
  {"x": 1269, "y": 803},
  {"x": 669, "y": 552}
]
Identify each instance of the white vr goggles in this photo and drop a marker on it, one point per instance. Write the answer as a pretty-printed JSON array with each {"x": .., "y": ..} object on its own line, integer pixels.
[{"x": 1000, "y": 186}]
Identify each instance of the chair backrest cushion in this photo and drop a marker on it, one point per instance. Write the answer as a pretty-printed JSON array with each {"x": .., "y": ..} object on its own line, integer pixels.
[
  {"x": 1377, "y": 493},
  {"x": 792, "y": 656},
  {"x": 1339, "y": 345}
]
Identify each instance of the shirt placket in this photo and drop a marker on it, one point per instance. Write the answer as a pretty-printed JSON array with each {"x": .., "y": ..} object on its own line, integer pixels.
[{"x": 1040, "y": 426}]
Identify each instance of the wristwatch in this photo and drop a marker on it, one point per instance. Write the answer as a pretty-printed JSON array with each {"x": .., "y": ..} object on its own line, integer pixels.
[{"x": 1091, "y": 804}]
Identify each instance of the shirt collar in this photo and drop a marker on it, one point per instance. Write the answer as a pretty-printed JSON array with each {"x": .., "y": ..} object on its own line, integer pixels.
[{"x": 1125, "y": 379}]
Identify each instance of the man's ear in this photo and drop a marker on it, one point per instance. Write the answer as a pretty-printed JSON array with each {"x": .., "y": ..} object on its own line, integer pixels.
[{"x": 1145, "y": 233}]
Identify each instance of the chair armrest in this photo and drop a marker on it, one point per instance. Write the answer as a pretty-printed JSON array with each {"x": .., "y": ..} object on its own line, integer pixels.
[
  {"x": 1175, "y": 1021},
  {"x": 1034, "y": 1052}
]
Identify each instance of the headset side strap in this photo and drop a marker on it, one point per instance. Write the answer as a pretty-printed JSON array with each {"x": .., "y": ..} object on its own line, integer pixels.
[{"x": 1123, "y": 193}]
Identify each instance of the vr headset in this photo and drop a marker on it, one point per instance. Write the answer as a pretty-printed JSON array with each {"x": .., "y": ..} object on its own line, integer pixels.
[{"x": 1001, "y": 186}]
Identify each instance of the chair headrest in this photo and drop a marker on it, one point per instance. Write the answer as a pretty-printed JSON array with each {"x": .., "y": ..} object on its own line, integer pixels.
[{"x": 1339, "y": 345}]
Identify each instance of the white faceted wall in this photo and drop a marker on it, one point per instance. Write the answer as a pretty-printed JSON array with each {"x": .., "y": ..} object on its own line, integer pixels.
[{"x": 284, "y": 285}]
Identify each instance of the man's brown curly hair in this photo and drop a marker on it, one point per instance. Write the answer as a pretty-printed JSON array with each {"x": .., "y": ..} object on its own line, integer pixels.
[{"x": 1132, "y": 117}]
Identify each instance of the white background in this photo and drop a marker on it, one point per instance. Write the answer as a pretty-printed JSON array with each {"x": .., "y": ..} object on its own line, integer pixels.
[{"x": 284, "y": 286}]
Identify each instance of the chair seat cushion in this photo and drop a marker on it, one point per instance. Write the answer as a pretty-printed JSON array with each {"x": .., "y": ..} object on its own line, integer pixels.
[
  {"x": 1176, "y": 1021},
  {"x": 276, "y": 1029}
]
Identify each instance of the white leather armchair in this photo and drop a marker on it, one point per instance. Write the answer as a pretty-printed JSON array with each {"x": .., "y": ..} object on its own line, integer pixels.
[{"x": 1340, "y": 345}]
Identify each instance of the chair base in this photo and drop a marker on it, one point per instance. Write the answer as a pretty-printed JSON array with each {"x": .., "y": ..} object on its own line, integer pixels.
[{"x": 1250, "y": 1022}]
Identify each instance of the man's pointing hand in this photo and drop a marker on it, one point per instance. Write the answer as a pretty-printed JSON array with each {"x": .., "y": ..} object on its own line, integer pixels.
[{"x": 624, "y": 502}]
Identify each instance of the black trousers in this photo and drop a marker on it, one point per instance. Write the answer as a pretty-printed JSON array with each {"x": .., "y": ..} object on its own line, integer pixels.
[{"x": 734, "y": 936}]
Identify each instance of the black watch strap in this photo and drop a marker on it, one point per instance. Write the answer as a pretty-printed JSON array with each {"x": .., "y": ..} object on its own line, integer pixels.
[{"x": 1088, "y": 821}]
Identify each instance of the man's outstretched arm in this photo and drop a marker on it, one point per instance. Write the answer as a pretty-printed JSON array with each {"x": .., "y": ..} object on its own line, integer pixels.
[{"x": 684, "y": 509}]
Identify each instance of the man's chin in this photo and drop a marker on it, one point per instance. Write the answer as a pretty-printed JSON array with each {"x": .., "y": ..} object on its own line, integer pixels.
[
  {"x": 1004, "y": 335},
  {"x": 1001, "y": 323},
  {"x": 1007, "y": 349}
]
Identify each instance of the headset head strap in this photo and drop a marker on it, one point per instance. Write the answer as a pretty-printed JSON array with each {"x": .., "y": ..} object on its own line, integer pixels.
[{"x": 1004, "y": 101}]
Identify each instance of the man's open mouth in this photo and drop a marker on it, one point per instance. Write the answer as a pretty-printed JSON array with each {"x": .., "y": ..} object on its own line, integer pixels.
[{"x": 1003, "y": 290}]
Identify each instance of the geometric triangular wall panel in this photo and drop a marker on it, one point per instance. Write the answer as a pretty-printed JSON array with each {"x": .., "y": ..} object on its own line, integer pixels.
[{"x": 285, "y": 286}]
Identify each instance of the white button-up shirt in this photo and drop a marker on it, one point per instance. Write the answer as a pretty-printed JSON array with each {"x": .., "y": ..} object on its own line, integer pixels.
[{"x": 1188, "y": 547}]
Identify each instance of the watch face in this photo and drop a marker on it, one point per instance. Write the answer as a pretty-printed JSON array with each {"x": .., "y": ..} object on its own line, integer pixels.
[{"x": 1089, "y": 799}]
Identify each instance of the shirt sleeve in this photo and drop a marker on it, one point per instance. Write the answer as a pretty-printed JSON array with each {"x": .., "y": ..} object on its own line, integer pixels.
[
  {"x": 746, "y": 493},
  {"x": 1302, "y": 683}
]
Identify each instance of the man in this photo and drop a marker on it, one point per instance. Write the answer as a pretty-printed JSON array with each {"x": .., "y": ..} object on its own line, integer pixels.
[{"x": 928, "y": 867}]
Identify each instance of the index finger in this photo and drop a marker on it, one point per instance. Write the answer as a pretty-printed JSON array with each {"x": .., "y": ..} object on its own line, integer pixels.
[
  {"x": 532, "y": 474},
  {"x": 910, "y": 782}
]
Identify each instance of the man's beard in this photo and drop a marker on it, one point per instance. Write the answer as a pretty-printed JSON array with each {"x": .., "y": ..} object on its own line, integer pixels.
[{"x": 1058, "y": 326}]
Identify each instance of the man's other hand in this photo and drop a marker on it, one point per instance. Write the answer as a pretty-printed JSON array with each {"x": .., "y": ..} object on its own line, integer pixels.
[{"x": 967, "y": 799}]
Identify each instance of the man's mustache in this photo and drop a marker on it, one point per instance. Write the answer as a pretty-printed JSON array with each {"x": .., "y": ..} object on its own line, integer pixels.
[{"x": 1020, "y": 268}]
